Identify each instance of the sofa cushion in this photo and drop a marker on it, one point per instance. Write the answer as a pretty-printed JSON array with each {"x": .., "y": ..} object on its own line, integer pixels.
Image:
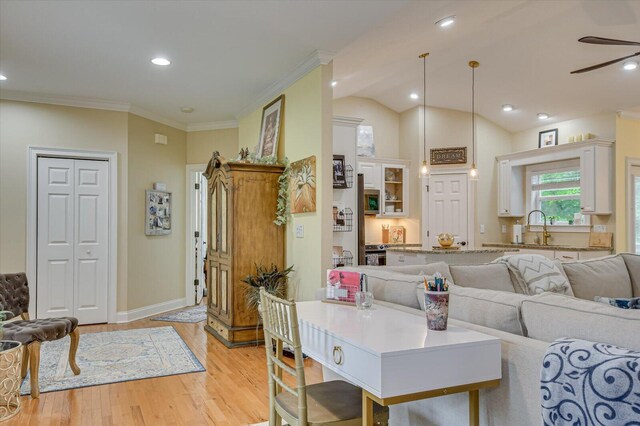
[
  {"x": 633, "y": 267},
  {"x": 427, "y": 269},
  {"x": 391, "y": 286},
  {"x": 607, "y": 276},
  {"x": 536, "y": 274},
  {"x": 488, "y": 276},
  {"x": 550, "y": 316}
]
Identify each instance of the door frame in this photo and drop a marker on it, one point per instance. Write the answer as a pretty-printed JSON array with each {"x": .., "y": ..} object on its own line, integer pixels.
[
  {"x": 32, "y": 219},
  {"x": 190, "y": 228},
  {"x": 630, "y": 198},
  {"x": 471, "y": 197}
]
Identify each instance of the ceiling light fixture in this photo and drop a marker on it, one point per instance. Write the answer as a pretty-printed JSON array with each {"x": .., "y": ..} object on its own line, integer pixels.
[
  {"x": 445, "y": 22},
  {"x": 507, "y": 108},
  {"x": 630, "y": 65},
  {"x": 424, "y": 170},
  {"x": 163, "y": 62},
  {"x": 187, "y": 110},
  {"x": 414, "y": 96},
  {"x": 334, "y": 83},
  {"x": 473, "y": 171},
  {"x": 2, "y": 77},
  {"x": 543, "y": 116}
]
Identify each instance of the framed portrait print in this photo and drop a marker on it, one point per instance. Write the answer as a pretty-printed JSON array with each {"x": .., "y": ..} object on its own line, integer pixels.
[
  {"x": 548, "y": 138},
  {"x": 158, "y": 213},
  {"x": 270, "y": 130},
  {"x": 339, "y": 172}
]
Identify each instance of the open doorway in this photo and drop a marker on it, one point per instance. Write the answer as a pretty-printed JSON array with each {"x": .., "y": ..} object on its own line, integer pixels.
[{"x": 196, "y": 242}]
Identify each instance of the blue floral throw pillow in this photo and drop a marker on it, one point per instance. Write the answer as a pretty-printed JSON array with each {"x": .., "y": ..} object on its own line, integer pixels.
[{"x": 620, "y": 302}]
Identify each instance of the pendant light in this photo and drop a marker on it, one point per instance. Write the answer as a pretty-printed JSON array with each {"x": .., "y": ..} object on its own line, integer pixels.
[
  {"x": 424, "y": 170},
  {"x": 473, "y": 172}
]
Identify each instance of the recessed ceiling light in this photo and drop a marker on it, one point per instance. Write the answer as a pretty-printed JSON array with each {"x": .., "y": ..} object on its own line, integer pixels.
[
  {"x": 2, "y": 77},
  {"x": 186, "y": 110},
  {"x": 507, "y": 108},
  {"x": 413, "y": 96},
  {"x": 161, "y": 61},
  {"x": 630, "y": 65},
  {"x": 334, "y": 83},
  {"x": 445, "y": 22},
  {"x": 542, "y": 116}
]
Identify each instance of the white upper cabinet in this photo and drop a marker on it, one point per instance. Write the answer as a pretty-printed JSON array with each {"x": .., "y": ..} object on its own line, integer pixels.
[
  {"x": 596, "y": 186},
  {"x": 372, "y": 173},
  {"x": 510, "y": 190}
]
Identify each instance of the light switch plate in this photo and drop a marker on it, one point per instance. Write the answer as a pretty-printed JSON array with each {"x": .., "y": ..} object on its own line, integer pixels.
[
  {"x": 600, "y": 228},
  {"x": 299, "y": 231},
  {"x": 504, "y": 229},
  {"x": 482, "y": 229}
]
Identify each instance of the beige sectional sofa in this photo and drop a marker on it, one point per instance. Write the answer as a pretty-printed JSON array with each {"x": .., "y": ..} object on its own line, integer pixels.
[{"x": 485, "y": 298}]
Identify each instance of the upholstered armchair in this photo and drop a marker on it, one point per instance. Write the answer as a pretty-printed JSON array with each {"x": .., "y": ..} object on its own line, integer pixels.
[{"x": 14, "y": 297}]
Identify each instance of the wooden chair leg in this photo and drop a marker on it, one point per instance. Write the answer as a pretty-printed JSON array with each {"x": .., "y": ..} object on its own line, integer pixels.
[
  {"x": 25, "y": 361},
  {"x": 75, "y": 339},
  {"x": 34, "y": 360}
]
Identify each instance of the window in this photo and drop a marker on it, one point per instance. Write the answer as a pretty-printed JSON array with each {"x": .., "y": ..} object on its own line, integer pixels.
[{"x": 554, "y": 188}]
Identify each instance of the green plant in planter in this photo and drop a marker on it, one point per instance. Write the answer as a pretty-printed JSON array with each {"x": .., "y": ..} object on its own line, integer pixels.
[{"x": 271, "y": 278}]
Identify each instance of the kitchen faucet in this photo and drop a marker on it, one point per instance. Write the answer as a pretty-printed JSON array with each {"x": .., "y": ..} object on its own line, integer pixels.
[{"x": 545, "y": 231}]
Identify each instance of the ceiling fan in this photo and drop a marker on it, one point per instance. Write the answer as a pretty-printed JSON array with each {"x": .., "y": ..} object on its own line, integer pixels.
[{"x": 610, "y": 42}]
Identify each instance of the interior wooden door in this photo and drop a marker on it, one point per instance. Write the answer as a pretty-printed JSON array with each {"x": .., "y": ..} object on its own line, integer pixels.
[{"x": 448, "y": 207}]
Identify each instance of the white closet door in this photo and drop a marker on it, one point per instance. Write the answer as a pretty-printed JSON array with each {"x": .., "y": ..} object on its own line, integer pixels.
[
  {"x": 55, "y": 237},
  {"x": 91, "y": 241},
  {"x": 448, "y": 207},
  {"x": 73, "y": 232}
]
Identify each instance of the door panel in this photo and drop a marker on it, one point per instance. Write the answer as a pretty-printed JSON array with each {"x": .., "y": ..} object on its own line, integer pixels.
[
  {"x": 55, "y": 238},
  {"x": 447, "y": 211},
  {"x": 92, "y": 233}
]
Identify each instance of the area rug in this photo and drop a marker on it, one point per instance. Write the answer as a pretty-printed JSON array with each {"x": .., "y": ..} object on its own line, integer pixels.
[
  {"x": 196, "y": 314},
  {"x": 112, "y": 357}
]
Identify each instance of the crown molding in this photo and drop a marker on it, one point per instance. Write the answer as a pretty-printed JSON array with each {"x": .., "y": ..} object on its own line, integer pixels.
[
  {"x": 319, "y": 57},
  {"x": 156, "y": 117},
  {"x": 341, "y": 120},
  {"x": 12, "y": 95},
  {"x": 213, "y": 125},
  {"x": 630, "y": 115}
]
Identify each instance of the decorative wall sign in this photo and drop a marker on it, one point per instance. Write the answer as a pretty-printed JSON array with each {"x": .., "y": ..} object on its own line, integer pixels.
[
  {"x": 548, "y": 138},
  {"x": 456, "y": 155},
  {"x": 302, "y": 185},
  {"x": 158, "y": 213}
]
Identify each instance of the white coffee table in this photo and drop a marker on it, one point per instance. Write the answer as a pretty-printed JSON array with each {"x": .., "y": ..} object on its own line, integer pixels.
[{"x": 392, "y": 356}]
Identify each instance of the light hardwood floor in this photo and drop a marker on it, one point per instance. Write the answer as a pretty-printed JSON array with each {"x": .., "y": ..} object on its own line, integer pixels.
[{"x": 233, "y": 390}]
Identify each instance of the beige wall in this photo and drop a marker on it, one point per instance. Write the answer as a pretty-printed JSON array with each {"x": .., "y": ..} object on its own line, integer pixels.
[
  {"x": 24, "y": 124},
  {"x": 627, "y": 146},
  {"x": 600, "y": 125},
  {"x": 306, "y": 131},
  {"x": 156, "y": 267},
  {"x": 385, "y": 122},
  {"x": 201, "y": 144}
]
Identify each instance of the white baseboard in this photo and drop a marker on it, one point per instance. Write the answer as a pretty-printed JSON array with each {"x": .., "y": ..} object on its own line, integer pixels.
[{"x": 147, "y": 311}]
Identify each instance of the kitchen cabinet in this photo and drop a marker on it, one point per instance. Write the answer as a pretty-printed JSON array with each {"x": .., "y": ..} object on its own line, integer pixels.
[
  {"x": 563, "y": 255},
  {"x": 595, "y": 182},
  {"x": 510, "y": 190},
  {"x": 396, "y": 190},
  {"x": 372, "y": 173}
]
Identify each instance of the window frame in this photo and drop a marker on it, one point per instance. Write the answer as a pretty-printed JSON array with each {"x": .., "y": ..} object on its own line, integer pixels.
[{"x": 531, "y": 201}]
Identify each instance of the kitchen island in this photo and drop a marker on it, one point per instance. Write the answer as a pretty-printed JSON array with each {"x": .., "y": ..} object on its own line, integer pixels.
[{"x": 397, "y": 256}]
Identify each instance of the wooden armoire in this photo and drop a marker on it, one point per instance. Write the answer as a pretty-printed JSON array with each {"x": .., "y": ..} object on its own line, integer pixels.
[{"x": 241, "y": 234}]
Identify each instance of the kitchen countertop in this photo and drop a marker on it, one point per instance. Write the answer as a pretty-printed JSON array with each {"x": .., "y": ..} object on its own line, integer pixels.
[
  {"x": 396, "y": 244},
  {"x": 442, "y": 251},
  {"x": 540, "y": 247}
]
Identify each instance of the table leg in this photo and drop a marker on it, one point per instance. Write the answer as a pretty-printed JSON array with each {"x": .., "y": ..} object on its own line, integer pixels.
[
  {"x": 474, "y": 408},
  {"x": 367, "y": 409}
]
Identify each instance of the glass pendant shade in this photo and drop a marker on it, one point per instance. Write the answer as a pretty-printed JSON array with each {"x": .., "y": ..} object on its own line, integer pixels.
[
  {"x": 424, "y": 170},
  {"x": 473, "y": 172}
]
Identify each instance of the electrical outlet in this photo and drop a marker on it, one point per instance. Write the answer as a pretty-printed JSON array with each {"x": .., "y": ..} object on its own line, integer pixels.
[
  {"x": 482, "y": 229},
  {"x": 299, "y": 231},
  {"x": 600, "y": 228},
  {"x": 504, "y": 229}
]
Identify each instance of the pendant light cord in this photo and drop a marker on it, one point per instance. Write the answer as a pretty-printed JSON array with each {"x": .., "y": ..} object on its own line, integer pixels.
[
  {"x": 424, "y": 108},
  {"x": 473, "y": 113}
]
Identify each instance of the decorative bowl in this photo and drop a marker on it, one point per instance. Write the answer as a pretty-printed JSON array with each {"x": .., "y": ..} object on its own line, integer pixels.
[{"x": 445, "y": 239}]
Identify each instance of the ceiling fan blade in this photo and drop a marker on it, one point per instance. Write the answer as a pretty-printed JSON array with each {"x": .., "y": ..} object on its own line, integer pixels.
[
  {"x": 607, "y": 41},
  {"x": 604, "y": 64}
]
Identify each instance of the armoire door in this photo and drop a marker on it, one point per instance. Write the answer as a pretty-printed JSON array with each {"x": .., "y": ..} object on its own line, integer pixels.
[
  {"x": 73, "y": 231},
  {"x": 214, "y": 247}
]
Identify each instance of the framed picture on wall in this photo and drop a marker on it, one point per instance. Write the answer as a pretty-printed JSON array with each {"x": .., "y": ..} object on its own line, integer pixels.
[
  {"x": 157, "y": 213},
  {"x": 270, "y": 130},
  {"x": 548, "y": 138},
  {"x": 339, "y": 175}
]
